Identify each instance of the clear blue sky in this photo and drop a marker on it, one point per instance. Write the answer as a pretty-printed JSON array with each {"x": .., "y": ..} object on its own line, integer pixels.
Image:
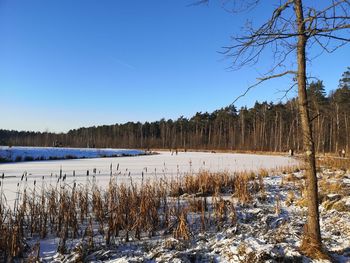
[{"x": 71, "y": 63}]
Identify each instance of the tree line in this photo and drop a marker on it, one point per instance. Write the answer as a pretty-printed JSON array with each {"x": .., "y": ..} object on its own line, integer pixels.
[{"x": 264, "y": 127}]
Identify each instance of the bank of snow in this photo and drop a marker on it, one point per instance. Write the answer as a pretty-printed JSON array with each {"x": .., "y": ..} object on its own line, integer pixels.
[{"x": 16, "y": 154}]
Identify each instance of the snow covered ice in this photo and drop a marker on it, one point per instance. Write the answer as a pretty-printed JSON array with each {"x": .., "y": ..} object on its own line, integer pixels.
[{"x": 266, "y": 230}]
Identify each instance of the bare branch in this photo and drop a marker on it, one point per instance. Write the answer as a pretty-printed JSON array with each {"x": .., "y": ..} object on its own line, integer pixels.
[
  {"x": 287, "y": 91},
  {"x": 280, "y": 30},
  {"x": 334, "y": 37},
  {"x": 261, "y": 80}
]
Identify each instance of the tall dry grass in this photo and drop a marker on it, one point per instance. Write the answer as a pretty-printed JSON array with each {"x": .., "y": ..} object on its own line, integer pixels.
[
  {"x": 123, "y": 211},
  {"x": 334, "y": 162}
]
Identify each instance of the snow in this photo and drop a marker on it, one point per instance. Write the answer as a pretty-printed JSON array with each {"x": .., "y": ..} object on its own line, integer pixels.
[
  {"x": 47, "y": 153},
  {"x": 163, "y": 165},
  {"x": 260, "y": 233}
]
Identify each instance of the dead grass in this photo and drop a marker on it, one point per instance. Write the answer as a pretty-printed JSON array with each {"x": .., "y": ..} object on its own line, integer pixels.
[
  {"x": 125, "y": 211},
  {"x": 339, "y": 205},
  {"x": 263, "y": 172},
  {"x": 241, "y": 188},
  {"x": 331, "y": 187},
  {"x": 182, "y": 230},
  {"x": 290, "y": 199},
  {"x": 334, "y": 162}
]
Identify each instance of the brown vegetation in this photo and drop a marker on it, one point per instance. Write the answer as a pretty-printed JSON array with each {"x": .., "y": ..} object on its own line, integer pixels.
[{"x": 123, "y": 212}]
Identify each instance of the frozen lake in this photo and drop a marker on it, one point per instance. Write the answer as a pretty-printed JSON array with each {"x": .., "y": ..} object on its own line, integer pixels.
[
  {"x": 18, "y": 153},
  {"x": 164, "y": 165}
]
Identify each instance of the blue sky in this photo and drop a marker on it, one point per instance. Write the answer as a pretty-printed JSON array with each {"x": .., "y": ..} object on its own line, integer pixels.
[{"x": 71, "y": 63}]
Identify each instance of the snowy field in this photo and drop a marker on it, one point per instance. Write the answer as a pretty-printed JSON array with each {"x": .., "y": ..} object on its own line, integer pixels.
[
  {"x": 17, "y": 154},
  {"x": 267, "y": 228},
  {"x": 163, "y": 165}
]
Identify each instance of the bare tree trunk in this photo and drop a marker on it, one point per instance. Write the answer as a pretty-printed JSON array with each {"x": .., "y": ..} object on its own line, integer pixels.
[
  {"x": 337, "y": 138},
  {"x": 297, "y": 137},
  {"x": 311, "y": 243},
  {"x": 141, "y": 136},
  {"x": 322, "y": 133},
  {"x": 346, "y": 133},
  {"x": 288, "y": 144},
  {"x": 331, "y": 137},
  {"x": 319, "y": 131},
  {"x": 264, "y": 131},
  {"x": 281, "y": 129},
  {"x": 275, "y": 136},
  {"x": 242, "y": 131}
]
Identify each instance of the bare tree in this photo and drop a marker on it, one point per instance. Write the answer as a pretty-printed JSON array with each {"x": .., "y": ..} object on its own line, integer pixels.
[{"x": 293, "y": 29}]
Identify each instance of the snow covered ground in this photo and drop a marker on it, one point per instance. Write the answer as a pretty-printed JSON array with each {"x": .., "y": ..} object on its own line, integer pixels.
[
  {"x": 16, "y": 153},
  {"x": 164, "y": 164},
  {"x": 263, "y": 230},
  {"x": 268, "y": 230}
]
